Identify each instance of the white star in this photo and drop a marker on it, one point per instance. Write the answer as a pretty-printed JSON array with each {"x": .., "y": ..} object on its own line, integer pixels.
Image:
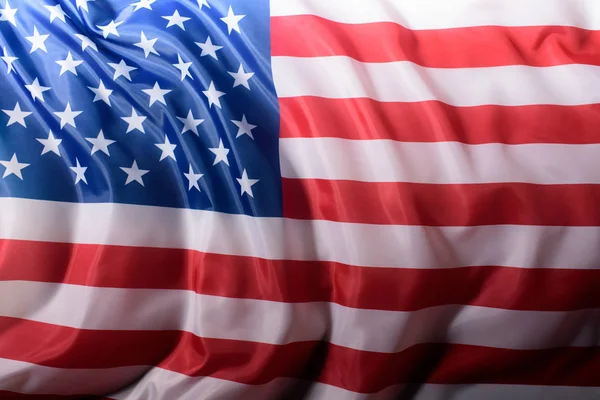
[
  {"x": 50, "y": 144},
  {"x": 83, "y": 4},
  {"x": 8, "y": 60},
  {"x": 203, "y": 3},
  {"x": 109, "y": 29},
  {"x": 68, "y": 64},
  {"x": 36, "y": 90},
  {"x": 220, "y": 153},
  {"x": 208, "y": 48},
  {"x": 17, "y": 116},
  {"x": 176, "y": 19},
  {"x": 190, "y": 124},
  {"x": 246, "y": 184},
  {"x": 193, "y": 179},
  {"x": 241, "y": 77},
  {"x": 168, "y": 149},
  {"x": 213, "y": 95},
  {"x": 100, "y": 144},
  {"x": 37, "y": 41},
  {"x": 135, "y": 121},
  {"x": 122, "y": 69},
  {"x": 135, "y": 174},
  {"x": 13, "y": 167},
  {"x": 86, "y": 42},
  {"x": 56, "y": 12},
  {"x": 184, "y": 68},
  {"x": 67, "y": 117},
  {"x": 79, "y": 172},
  {"x": 232, "y": 21},
  {"x": 147, "y": 45},
  {"x": 8, "y": 14},
  {"x": 147, "y": 4},
  {"x": 156, "y": 94},
  {"x": 102, "y": 93},
  {"x": 244, "y": 127}
]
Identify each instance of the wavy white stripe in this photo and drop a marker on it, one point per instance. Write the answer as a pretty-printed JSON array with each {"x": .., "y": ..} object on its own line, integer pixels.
[
  {"x": 24, "y": 377},
  {"x": 436, "y": 14},
  {"x": 160, "y": 384},
  {"x": 430, "y": 391},
  {"x": 275, "y": 238},
  {"x": 402, "y": 81},
  {"x": 96, "y": 308},
  {"x": 438, "y": 162},
  {"x": 133, "y": 383}
]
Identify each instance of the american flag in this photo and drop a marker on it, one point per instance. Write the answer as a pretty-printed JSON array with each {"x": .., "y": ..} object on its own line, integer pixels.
[{"x": 300, "y": 199}]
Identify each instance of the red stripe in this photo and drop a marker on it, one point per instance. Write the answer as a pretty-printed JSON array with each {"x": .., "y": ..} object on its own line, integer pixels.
[
  {"x": 6, "y": 395},
  {"x": 442, "y": 205},
  {"x": 260, "y": 363},
  {"x": 481, "y": 46},
  {"x": 296, "y": 281},
  {"x": 433, "y": 121},
  {"x": 459, "y": 364}
]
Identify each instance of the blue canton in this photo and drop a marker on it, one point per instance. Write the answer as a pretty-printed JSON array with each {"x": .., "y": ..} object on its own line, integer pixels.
[{"x": 153, "y": 102}]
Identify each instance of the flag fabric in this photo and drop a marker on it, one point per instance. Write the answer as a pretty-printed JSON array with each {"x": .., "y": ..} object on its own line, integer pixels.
[{"x": 300, "y": 199}]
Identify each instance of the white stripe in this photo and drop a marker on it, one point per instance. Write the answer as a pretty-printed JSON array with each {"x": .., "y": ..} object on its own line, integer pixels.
[
  {"x": 23, "y": 377},
  {"x": 276, "y": 238},
  {"x": 140, "y": 382},
  {"x": 402, "y": 81},
  {"x": 430, "y": 391},
  {"x": 160, "y": 384},
  {"x": 438, "y": 162},
  {"x": 85, "y": 307},
  {"x": 436, "y": 14}
]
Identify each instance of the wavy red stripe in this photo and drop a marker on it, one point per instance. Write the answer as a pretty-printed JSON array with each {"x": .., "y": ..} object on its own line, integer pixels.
[
  {"x": 469, "y": 47},
  {"x": 259, "y": 363},
  {"x": 6, "y": 395},
  {"x": 299, "y": 281},
  {"x": 441, "y": 205},
  {"x": 431, "y": 121}
]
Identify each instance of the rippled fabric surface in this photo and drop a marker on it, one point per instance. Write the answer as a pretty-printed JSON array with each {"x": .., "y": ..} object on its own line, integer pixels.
[{"x": 299, "y": 199}]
